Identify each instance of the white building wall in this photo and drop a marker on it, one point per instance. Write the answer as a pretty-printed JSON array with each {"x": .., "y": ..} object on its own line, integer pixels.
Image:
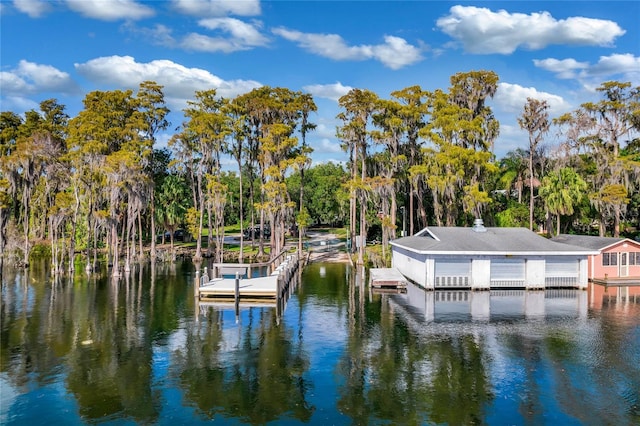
[
  {"x": 429, "y": 274},
  {"x": 411, "y": 265},
  {"x": 420, "y": 268},
  {"x": 535, "y": 273},
  {"x": 481, "y": 273},
  {"x": 583, "y": 276}
]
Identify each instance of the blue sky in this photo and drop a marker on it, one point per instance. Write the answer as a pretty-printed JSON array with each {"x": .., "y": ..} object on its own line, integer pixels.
[{"x": 559, "y": 51}]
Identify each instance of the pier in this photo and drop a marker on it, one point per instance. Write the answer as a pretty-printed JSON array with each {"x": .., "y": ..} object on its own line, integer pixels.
[
  {"x": 244, "y": 287},
  {"x": 387, "y": 279},
  {"x": 617, "y": 281}
]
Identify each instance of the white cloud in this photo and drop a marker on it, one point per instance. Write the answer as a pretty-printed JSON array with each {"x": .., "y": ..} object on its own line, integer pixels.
[
  {"x": 511, "y": 138},
  {"x": 29, "y": 78},
  {"x": 483, "y": 31},
  {"x": 324, "y": 130},
  {"x": 111, "y": 10},
  {"x": 513, "y": 97},
  {"x": 18, "y": 104},
  {"x": 159, "y": 34},
  {"x": 328, "y": 91},
  {"x": 328, "y": 146},
  {"x": 395, "y": 53},
  {"x": 616, "y": 64},
  {"x": 180, "y": 83},
  {"x": 564, "y": 69},
  {"x": 242, "y": 36},
  {"x": 33, "y": 8},
  {"x": 623, "y": 66},
  {"x": 218, "y": 7},
  {"x": 239, "y": 30}
]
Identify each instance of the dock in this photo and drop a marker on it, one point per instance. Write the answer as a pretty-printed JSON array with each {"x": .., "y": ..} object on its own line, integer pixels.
[
  {"x": 241, "y": 287},
  {"x": 387, "y": 278},
  {"x": 249, "y": 288},
  {"x": 617, "y": 281}
]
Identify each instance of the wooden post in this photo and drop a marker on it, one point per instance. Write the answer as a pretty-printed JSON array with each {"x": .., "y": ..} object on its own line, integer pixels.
[
  {"x": 279, "y": 285},
  {"x": 237, "y": 294}
]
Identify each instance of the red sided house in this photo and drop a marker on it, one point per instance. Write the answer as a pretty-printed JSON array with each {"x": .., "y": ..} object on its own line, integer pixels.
[{"x": 617, "y": 258}]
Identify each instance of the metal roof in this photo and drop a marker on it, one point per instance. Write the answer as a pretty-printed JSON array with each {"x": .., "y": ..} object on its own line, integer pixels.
[
  {"x": 486, "y": 241},
  {"x": 591, "y": 241}
]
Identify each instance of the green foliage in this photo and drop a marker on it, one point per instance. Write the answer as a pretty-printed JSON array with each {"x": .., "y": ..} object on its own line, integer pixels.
[
  {"x": 303, "y": 219},
  {"x": 40, "y": 251},
  {"x": 192, "y": 220},
  {"x": 95, "y": 176},
  {"x": 324, "y": 196},
  {"x": 516, "y": 215}
]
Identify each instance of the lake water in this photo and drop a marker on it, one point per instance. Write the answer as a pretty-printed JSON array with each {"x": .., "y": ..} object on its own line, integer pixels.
[{"x": 143, "y": 351}]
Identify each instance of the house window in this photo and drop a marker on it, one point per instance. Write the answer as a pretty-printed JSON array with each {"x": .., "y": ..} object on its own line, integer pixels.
[
  {"x": 609, "y": 259},
  {"x": 632, "y": 258}
]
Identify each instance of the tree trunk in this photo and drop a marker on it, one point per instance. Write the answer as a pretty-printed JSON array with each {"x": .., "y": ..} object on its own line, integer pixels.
[
  {"x": 152, "y": 252},
  {"x": 363, "y": 211},
  {"x": 300, "y": 210},
  {"x": 141, "y": 254},
  {"x": 241, "y": 252},
  {"x": 531, "y": 192},
  {"x": 210, "y": 231},
  {"x": 411, "y": 208}
]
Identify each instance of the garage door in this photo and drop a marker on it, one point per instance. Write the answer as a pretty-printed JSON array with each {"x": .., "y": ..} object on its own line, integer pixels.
[
  {"x": 561, "y": 271},
  {"x": 453, "y": 273},
  {"x": 507, "y": 272}
]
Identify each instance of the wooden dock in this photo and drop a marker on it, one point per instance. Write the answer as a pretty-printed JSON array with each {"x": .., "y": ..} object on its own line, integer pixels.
[
  {"x": 240, "y": 288},
  {"x": 387, "y": 278},
  {"x": 249, "y": 288},
  {"x": 617, "y": 281}
]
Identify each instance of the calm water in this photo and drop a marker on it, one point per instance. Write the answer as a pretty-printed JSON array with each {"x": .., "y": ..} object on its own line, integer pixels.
[{"x": 143, "y": 351}]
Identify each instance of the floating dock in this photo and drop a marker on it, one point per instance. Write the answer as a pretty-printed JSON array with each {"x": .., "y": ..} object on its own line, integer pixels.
[
  {"x": 387, "y": 278},
  {"x": 239, "y": 288},
  {"x": 249, "y": 288},
  {"x": 617, "y": 281}
]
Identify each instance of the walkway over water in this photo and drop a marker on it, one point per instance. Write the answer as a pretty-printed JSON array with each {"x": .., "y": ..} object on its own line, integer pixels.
[
  {"x": 387, "y": 278},
  {"x": 617, "y": 282},
  {"x": 271, "y": 286}
]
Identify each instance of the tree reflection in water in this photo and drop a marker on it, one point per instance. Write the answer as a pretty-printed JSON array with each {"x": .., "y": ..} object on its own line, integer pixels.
[
  {"x": 91, "y": 349},
  {"x": 393, "y": 375}
]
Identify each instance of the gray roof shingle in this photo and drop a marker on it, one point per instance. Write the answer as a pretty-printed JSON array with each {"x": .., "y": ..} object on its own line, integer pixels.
[
  {"x": 455, "y": 240},
  {"x": 587, "y": 241}
]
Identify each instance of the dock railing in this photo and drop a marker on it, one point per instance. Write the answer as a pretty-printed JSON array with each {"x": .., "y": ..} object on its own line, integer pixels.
[
  {"x": 281, "y": 268},
  {"x": 246, "y": 270}
]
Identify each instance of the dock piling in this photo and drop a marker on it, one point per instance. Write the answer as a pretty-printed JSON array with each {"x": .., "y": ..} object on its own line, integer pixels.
[{"x": 237, "y": 294}]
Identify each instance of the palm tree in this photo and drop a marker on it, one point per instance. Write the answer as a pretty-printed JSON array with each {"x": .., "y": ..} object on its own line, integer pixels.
[
  {"x": 561, "y": 191},
  {"x": 172, "y": 205},
  {"x": 513, "y": 172}
]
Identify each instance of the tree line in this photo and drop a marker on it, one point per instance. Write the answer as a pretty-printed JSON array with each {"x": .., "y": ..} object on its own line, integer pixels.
[{"x": 98, "y": 183}]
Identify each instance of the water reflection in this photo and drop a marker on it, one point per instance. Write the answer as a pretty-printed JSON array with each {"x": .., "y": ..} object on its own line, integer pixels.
[
  {"x": 143, "y": 349},
  {"x": 494, "y": 305}
]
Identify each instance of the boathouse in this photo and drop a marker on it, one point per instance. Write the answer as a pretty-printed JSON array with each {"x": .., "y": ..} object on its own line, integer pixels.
[
  {"x": 483, "y": 258},
  {"x": 615, "y": 258}
]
